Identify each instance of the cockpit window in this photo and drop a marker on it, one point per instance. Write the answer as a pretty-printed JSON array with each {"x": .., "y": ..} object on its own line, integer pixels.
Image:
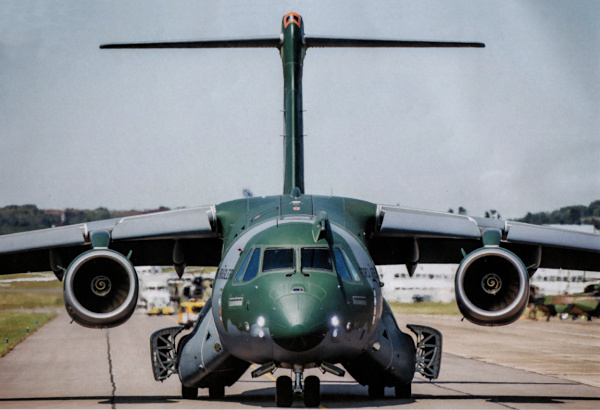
[
  {"x": 252, "y": 270},
  {"x": 278, "y": 259},
  {"x": 316, "y": 259},
  {"x": 240, "y": 272},
  {"x": 345, "y": 268},
  {"x": 250, "y": 267}
]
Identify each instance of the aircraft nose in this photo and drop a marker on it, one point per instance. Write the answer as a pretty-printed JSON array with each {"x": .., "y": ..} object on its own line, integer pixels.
[{"x": 298, "y": 322}]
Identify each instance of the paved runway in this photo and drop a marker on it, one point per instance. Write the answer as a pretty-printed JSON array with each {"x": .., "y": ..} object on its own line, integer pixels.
[{"x": 67, "y": 366}]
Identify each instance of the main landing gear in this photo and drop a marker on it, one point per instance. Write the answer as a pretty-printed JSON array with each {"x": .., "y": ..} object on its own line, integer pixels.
[
  {"x": 377, "y": 391},
  {"x": 311, "y": 391},
  {"x": 214, "y": 392}
]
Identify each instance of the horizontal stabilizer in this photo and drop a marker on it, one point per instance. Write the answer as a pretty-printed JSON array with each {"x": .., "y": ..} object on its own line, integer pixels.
[
  {"x": 230, "y": 43},
  {"x": 361, "y": 42},
  {"x": 268, "y": 42}
]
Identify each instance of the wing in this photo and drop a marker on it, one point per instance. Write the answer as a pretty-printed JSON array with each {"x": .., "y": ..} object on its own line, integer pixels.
[
  {"x": 408, "y": 236},
  {"x": 149, "y": 240}
]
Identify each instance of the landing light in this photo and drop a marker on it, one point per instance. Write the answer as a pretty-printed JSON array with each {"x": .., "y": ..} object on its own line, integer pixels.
[
  {"x": 335, "y": 321},
  {"x": 260, "y": 321}
]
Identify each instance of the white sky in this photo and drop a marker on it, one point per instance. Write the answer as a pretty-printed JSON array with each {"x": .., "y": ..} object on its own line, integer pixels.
[{"x": 513, "y": 127}]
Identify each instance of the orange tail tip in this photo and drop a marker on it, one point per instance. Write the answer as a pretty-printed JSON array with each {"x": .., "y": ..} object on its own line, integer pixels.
[{"x": 290, "y": 18}]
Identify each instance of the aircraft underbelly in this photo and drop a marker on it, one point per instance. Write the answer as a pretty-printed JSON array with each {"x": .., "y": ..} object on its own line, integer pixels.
[{"x": 336, "y": 348}]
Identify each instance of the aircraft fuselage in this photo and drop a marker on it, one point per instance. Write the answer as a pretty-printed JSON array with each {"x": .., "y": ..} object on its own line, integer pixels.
[{"x": 282, "y": 296}]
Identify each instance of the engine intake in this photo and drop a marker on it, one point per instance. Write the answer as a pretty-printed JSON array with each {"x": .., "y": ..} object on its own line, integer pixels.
[
  {"x": 492, "y": 286},
  {"x": 101, "y": 289}
]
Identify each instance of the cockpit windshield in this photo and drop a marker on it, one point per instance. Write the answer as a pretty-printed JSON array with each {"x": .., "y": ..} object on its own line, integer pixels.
[
  {"x": 278, "y": 259},
  {"x": 312, "y": 259},
  {"x": 316, "y": 259}
]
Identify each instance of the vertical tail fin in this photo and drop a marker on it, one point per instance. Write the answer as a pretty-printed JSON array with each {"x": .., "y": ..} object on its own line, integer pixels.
[{"x": 292, "y": 45}]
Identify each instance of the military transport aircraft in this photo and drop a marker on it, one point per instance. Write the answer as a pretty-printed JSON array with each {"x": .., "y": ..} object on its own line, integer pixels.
[
  {"x": 586, "y": 303},
  {"x": 296, "y": 285}
]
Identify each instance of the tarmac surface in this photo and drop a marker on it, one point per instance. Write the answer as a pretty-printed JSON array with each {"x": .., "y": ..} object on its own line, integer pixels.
[{"x": 527, "y": 365}]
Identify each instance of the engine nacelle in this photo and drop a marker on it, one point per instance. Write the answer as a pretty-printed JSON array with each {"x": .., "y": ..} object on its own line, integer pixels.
[
  {"x": 492, "y": 286},
  {"x": 100, "y": 288}
]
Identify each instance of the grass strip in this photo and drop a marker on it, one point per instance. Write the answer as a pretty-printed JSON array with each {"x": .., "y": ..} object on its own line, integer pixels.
[
  {"x": 26, "y": 303},
  {"x": 14, "y": 327},
  {"x": 425, "y": 308},
  {"x": 29, "y": 299}
]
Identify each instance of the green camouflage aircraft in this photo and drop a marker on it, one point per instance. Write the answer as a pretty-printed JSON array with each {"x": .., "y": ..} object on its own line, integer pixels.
[
  {"x": 586, "y": 303},
  {"x": 296, "y": 286}
]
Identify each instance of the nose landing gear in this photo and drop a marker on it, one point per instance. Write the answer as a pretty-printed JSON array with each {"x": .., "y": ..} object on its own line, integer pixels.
[{"x": 310, "y": 392}]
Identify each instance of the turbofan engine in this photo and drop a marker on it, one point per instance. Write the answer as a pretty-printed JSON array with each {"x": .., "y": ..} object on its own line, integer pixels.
[
  {"x": 101, "y": 288},
  {"x": 492, "y": 286}
]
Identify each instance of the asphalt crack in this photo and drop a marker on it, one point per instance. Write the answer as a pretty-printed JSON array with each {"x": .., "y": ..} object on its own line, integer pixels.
[
  {"x": 110, "y": 372},
  {"x": 487, "y": 398}
]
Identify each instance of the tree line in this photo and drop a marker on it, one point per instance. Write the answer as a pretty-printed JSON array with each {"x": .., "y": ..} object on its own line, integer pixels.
[
  {"x": 21, "y": 218},
  {"x": 569, "y": 215}
]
